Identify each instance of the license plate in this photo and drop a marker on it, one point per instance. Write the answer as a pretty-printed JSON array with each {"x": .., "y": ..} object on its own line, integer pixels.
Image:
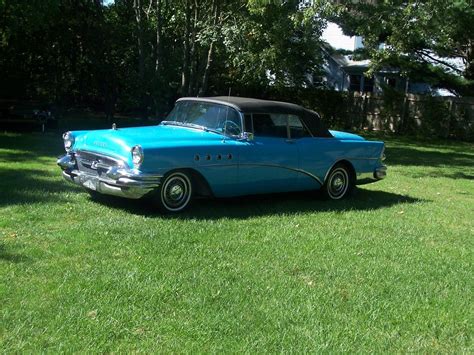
[{"x": 90, "y": 183}]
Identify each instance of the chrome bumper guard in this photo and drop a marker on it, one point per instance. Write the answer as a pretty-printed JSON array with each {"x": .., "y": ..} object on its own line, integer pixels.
[
  {"x": 116, "y": 181},
  {"x": 378, "y": 174}
]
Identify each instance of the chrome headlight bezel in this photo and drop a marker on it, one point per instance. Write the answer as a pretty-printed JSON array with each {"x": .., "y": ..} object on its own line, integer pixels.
[
  {"x": 137, "y": 156},
  {"x": 68, "y": 141}
]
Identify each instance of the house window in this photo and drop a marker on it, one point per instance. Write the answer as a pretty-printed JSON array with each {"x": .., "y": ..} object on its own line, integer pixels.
[
  {"x": 392, "y": 82},
  {"x": 361, "y": 83},
  {"x": 354, "y": 82},
  {"x": 368, "y": 84}
]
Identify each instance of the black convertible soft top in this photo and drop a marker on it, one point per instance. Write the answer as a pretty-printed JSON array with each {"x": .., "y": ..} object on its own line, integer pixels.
[{"x": 248, "y": 105}]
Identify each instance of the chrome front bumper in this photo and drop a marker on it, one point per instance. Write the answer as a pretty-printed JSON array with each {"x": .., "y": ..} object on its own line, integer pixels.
[
  {"x": 115, "y": 180},
  {"x": 378, "y": 174}
]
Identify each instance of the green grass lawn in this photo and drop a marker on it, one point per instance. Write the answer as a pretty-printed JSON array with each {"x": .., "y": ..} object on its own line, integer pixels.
[{"x": 390, "y": 269}]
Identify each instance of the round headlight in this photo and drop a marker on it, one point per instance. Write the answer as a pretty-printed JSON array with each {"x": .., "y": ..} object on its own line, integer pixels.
[
  {"x": 68, "y": 141},
  {"x": 137, "y": 155}
]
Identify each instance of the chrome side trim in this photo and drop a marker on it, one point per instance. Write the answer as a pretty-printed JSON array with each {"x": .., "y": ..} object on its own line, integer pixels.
[
  {"x": 269, "y": 166},
  {"x": 357, "y": 158},
  {"x": 349, "y": 160},
  {"x": 304, "y": 172}
]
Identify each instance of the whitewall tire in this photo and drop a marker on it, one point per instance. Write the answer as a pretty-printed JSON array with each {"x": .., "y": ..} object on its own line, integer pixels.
[
  {"x": 175, "y": 193},
  {"x": 339, "y": 183}
]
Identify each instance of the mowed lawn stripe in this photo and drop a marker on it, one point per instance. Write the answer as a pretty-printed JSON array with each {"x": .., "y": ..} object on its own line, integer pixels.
[{"x": 388, "y": 270}]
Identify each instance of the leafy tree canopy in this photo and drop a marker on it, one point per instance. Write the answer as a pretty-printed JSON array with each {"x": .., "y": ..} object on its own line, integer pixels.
[
  {"x": 416, "y": 35},
  {"x": 144, "y": 53}
]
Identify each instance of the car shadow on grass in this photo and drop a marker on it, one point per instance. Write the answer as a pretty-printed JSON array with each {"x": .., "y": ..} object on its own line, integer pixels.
[
  {"x": 25, "y": 186},
  {"x": 411, "y": 156},
  {"x": 266, "y": 205},
  {"x": 29, "y": 146},
  {"x": 451, "y": 165}
]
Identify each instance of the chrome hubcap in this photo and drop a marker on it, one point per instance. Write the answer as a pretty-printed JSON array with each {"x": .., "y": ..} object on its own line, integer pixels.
[
  {"x": 176, "y": 192},
  {"x": 338, "y": 183}
]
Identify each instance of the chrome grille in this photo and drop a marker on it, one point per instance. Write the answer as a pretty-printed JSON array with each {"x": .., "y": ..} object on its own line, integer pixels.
[{"x": 94, "y": 164}]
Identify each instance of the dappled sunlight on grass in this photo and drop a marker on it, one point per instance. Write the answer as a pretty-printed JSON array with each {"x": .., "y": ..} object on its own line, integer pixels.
[
  {"x": 388, "y": 270},
  {"x": 274, "y": 204}
]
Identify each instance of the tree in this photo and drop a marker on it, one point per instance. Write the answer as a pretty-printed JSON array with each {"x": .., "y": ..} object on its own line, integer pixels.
[
  {"x": 417, "y": 35},
  {"x": 141, "y": 54},
  {"x": 272, "y": 44}
]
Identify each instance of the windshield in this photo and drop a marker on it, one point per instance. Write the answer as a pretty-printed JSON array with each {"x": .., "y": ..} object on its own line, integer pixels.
[{"x": 211, "y": 116}]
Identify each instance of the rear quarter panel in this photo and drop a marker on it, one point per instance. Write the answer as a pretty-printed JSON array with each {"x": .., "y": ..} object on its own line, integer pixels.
[{"x": 319, "y": 155}]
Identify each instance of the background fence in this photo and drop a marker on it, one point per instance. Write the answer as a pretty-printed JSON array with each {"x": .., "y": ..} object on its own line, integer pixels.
[{"x": 393, "y": 111}]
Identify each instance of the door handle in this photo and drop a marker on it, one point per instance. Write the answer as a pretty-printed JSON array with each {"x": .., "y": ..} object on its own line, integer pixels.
[{"x": 290, "y": 141}]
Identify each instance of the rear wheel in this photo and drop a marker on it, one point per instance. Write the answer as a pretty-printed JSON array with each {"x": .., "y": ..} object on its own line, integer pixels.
[
  {"x": 339, "y": 183},
  {"x": 175, "y": 193}
]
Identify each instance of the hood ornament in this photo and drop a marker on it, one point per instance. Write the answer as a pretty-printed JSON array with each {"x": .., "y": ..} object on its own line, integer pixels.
[{"x": 114, "y": 126}]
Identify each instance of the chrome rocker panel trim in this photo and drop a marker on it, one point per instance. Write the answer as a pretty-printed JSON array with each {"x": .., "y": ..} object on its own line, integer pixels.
[{"x": 118, "y": 181}]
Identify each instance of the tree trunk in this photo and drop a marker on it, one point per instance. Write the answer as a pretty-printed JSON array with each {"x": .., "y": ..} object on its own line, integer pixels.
[
  {"x": 192, "y": 54},
  {"x": 159, "y": 27},
  {"x": 469, "y": 71},
  {"x": 185, "y": 68},
  {"x": 137, "y": 5},
  {"x": 210, "y": 52}
]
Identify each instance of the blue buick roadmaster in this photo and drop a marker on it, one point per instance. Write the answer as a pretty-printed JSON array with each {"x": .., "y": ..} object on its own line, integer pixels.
[{"x": 221, "y": 147}]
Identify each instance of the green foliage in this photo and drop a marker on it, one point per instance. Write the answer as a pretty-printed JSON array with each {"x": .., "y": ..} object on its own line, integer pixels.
[
  {"x": 415, "y": 33},
  {"x": 139, "y": 55},
  {"x": 275, "y": 45}
]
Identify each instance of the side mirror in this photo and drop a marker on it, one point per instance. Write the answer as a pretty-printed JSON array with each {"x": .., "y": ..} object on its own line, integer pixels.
[{"x": 247, "y": 136}]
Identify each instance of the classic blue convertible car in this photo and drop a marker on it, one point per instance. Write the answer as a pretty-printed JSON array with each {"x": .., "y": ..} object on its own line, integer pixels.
[{"x": 222, "y": 147}]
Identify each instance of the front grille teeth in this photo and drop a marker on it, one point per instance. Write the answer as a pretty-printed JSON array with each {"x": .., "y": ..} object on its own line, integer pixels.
[{"x": 93, "y": 164}]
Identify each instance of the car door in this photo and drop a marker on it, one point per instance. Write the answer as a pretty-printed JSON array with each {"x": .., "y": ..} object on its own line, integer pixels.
[{"x": 269, "y": 162}]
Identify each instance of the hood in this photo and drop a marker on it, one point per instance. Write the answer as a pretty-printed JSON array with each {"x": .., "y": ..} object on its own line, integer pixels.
[
  {"x": 118, "y": 143},
  {"x": 344, "y": 136}
]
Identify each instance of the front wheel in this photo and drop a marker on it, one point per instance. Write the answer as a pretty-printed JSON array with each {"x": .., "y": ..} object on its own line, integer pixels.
[
  {"x": 339, "y": 183},
  {"x": 175, "y": 193}
]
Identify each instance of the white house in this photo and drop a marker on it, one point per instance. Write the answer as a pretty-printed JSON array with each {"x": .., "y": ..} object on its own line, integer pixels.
[{"x": 342, "y": 73}]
